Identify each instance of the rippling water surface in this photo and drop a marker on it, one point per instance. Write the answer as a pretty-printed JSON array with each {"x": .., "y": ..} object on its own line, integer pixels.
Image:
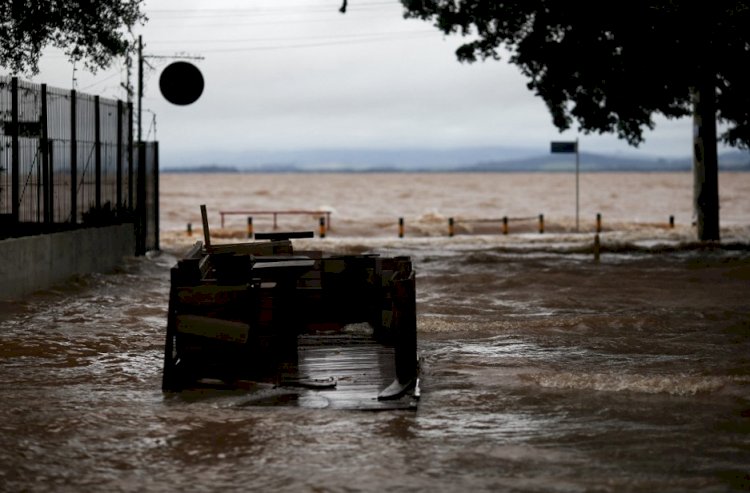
[{"x": 543, "y": 370}]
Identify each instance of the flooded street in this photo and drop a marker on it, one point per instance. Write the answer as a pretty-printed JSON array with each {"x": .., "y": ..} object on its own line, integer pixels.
[{"x": 540, "y": 373}]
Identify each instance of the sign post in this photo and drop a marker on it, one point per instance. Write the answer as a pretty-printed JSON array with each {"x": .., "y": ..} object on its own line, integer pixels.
[{"x": 569, "y": 148}]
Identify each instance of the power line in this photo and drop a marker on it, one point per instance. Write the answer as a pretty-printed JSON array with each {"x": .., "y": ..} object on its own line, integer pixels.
[
  {"x": 248, "y": 23},
  {"x": 395, "y": 35},
  {"x": 313, "y": 45},
  {"x": 101, "y": 81},
  {"x": 262, "y": 10}
]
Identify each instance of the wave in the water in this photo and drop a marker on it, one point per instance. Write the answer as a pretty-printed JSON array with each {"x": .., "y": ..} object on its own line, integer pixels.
[{"x": 680, "y": 384}]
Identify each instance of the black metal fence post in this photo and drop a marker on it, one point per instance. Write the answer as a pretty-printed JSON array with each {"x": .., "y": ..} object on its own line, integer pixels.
[
  {"x": 140, "y": 209},
  {"x": 43, "y": 143},
  {"x": 73, "y": 160},
  {"x": 131, "y": 206},
  {"x": 51, "y": 177},
  {"x": 15, "y": 183},
  {"x": 119, "y": 154},
  {"x": 155, "y": 153},
  {"x": 98, "y": 153}
]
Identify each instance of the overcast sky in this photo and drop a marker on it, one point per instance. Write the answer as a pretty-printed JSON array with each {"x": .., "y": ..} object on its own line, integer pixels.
[{"x": 297, "y": 74}]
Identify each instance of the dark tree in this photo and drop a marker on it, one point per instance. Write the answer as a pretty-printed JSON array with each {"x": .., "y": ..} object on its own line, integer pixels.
[
  {"x": 88, "y": 31},
  {"x": 610, "y": 66}
]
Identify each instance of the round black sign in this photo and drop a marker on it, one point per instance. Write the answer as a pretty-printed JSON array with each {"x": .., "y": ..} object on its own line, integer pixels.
[{"x": 181, "y": 83}]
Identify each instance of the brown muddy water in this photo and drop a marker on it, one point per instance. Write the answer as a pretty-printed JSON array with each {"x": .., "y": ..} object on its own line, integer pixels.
[{"x": 542, "y": 371}]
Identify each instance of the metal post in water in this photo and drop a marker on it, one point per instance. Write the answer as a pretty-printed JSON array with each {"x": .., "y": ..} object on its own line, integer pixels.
[
  {"x": 577, "y": 181},
  {"x": 597, "y": 247}
]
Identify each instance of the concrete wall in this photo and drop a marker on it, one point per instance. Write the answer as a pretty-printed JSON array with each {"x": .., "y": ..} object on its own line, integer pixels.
[{"x": 38, "y": 262}]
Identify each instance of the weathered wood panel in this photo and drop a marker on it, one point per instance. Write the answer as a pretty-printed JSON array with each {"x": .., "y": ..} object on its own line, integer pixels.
[{"x": 213, "y": 328}]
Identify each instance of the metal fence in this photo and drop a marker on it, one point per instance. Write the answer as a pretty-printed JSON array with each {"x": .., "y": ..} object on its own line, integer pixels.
[{"x": 68, "y": 160}]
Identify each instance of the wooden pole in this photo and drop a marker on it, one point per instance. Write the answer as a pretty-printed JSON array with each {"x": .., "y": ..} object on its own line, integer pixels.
[
  {"x": 598, "y": 222},
  {"x": 450, "y": 226},
  {"x": 322, "y": 227},
  {"x": 505, "y": 225},
  {"x": 541, "y": 223},
  {"x": 400, "y": 227},
  {"x": 206, "y": 233},
  {"x": 249, "y": 226}
]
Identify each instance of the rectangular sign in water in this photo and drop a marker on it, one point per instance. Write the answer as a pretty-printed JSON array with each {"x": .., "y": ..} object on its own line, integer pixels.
[{"x": 564, "y": 146}]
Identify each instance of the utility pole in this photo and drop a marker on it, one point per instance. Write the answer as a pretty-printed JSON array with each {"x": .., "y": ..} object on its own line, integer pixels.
[{"x": 140, "y": 83}]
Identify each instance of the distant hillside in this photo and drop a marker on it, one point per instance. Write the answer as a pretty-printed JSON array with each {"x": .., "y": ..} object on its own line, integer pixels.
[
  {"x": 732, "y": 161},
  {"x": 455, "y": 160},
  {"x": 202, "y": 169}
]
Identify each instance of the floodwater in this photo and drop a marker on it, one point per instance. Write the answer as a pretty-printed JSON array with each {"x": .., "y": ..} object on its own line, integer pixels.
[{"x": 542, "y": 369}]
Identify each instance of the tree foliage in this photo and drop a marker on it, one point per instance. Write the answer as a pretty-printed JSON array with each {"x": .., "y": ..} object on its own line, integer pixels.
[
  {"x": 610, "y": 66},
  {"x": 88, "y": 31}
]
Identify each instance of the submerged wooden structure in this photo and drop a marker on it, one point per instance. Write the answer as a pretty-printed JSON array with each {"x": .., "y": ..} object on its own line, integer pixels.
[{"x": 293, "y": 328}]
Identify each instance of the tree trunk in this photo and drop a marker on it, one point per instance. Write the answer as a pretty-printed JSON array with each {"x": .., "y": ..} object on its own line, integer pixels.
[{"x": 705, "y": 162}]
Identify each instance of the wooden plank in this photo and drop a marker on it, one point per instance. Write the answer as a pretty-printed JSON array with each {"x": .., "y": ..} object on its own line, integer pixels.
[
  {"x": 284, "y": 235},
  {"x": 211, "y": 295},
  {"x": 213, "y": 328},
  {"x": 206, "y": 234},
  {"x": 258, "y": 248},
  {"x": 285, "y": 265}
]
